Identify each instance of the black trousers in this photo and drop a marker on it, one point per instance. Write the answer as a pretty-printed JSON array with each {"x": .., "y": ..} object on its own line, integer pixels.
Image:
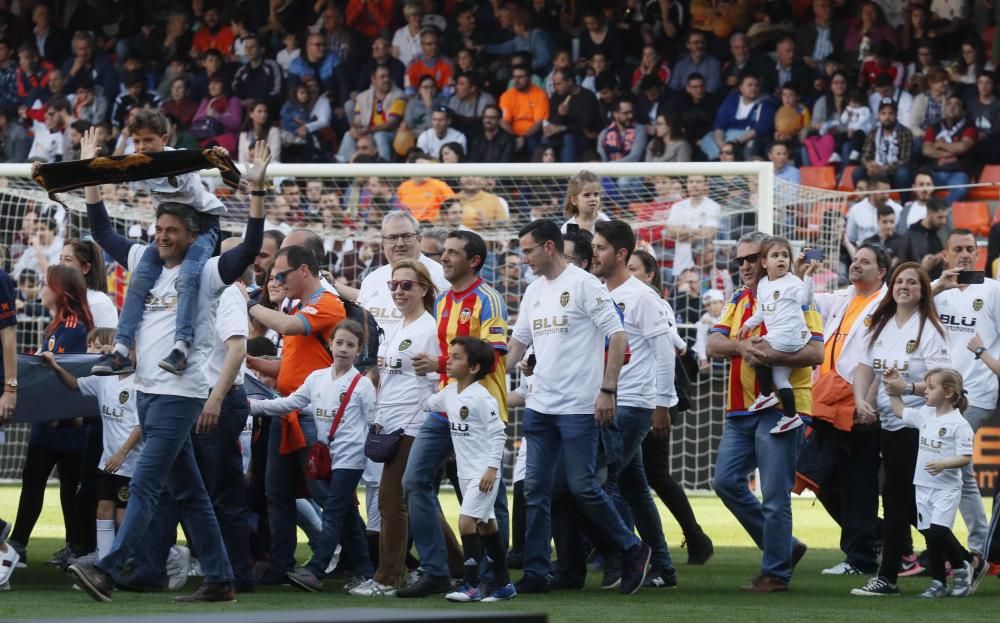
[
  {"x": 899, "y": 456},
  {"x": 38, "y": 466},
  {"x": 656, "y": 460}
]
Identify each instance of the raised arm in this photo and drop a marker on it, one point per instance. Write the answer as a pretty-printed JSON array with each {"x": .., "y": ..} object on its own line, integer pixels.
[
  {"x": 100, "y": 223},
  {"x": 233, "y": 262}
]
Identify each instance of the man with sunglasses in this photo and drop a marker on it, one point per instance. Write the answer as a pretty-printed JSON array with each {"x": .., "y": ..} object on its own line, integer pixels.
[{"x": 746, "y": 441}]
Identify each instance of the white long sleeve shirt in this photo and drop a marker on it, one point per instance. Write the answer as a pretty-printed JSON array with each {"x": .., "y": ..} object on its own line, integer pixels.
[{"x": 477, "y": 432}]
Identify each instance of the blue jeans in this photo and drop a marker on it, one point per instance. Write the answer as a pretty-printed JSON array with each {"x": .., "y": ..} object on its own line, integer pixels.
[
  {"x": 576, "y": 436},
  {"x": 167, "y": 469},
  {"x": 430, "y": 450},
  {"x": 342, "y": 525},
  {"x": 188, "y": 281},
  {"x": 747, "y": 443},
  {"x": 633, "y": 488},
  {"x": 221, "y": 462},
  {"x": 284, "y": 471},
  {"x": 952, "y": 178}
]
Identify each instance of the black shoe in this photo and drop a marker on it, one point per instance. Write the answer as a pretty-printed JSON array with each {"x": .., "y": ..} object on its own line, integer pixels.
[
  {"x": 566, "y": 583},
  {"x": 209, "y": 593},
  {"x": 94, "y": 581},
  {"x": 133, "y": 584},
  {"x": 304, "y": 579},
  {"x": 531, "y": 583},
  {"x": 700, "y": 549},
  {"x": 635, "y": 566},
  {"x": 798, "y": 551},
  {"x": 175, "y": 362},
  {"x": 245, "y": 586},
  {"x": 515, "y": 560},
  {"x": 660, "y": 578},
  {"x": 111, "y": 364},
  {"x": 426, "y": 586},
  {"x": 612, "y": 577}
]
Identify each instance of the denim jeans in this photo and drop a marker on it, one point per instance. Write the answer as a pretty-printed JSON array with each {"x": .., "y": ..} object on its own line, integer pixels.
[
  {"x": 342, "y": 525},
  {"x": 430, "y": 450},
  {"x": 167, "y": 467},
  {"x": 952, "y": 178},
  {"x": 971, "y": 506},
  {"x": 221, "y": 462},
  {"x": 188, "y": 281},
  {"x": 284, "y": 471},
  {"x": 576, "y": 436},
  {"x": 747, "y": 443},
  {"x": 633, "y": 488}
]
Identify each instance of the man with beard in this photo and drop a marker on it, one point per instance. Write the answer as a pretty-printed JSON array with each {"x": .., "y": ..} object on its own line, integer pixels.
[{"x": 887, "y": 149}]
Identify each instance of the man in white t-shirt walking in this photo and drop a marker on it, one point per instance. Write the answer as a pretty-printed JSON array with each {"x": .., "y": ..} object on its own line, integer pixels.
[
  {"x": 170, "y": 405},
  {"x": 567, "y": 314}
]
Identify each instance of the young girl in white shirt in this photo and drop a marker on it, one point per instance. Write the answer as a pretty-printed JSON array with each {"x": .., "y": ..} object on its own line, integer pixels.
[
  {"x": 781, "y": 297},
  {"x": 583, "y": 202},
  {"x": 945, "y": 448},
  {"x": 343, "y": 401}
]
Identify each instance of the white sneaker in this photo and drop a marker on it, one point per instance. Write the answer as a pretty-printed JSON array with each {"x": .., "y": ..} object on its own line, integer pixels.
[
  {"x": 786, "y": 424},
  {"x": 763, "y": 402},
  {"x": 371, "y": 588},
  {"x": 854, "y": 155},
  {"x": 88, "y": 559},
  {"x": 842, "y": 568},
  {"x": 834, "y": 158},
  {"x": 333, "y": 561},
  {"x": 8, "y": 562},
  {"x": 196, "y": 571},
  {"x": 178, "y": 567}
]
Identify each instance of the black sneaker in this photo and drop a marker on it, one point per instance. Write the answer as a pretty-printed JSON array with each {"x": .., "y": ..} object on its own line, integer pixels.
[
  {"x": 111, "y": 364},
  {"x": 635, "y": 565},
  {"x": 426, "y": 586},
  {"x": 566, "y": 583},
  {"x": 175, "y": 362},
  {"x": 304, "y": 579},
  {"x": 209, "y": 593},
  {"x": 532, "y": 584},
  {"x": 660, "y": 578},
  {"x": 612, "y": 577},
  {"x": 700, "y": 549},
  {"x": 877, "y": 587},
  {"x": 94, "y": 581},
  {"x": 980, "y": 569}
]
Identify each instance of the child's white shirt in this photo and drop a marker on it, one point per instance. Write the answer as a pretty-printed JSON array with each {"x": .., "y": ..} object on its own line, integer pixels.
[
  {"x": 779, "y": 307},
  {"x": 857, "y": 118},
  {"x": 116, "y": 400},
  {"x": 186, "y": 189},
  {"x": 941, "y": 437},
  {"x": 704, "y": 326},
  {"x": 477, "y": 432}
]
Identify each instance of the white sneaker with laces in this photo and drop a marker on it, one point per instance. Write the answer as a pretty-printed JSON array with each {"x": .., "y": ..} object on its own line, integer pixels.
[
  {"x": 786, "y": 424},
  {"x": 178, "y": 567},
  {"x": 371, "y": 588},
  {"x": 842, "y": 568},
  {"x": 8, "y": 562},
  {"x": 763, "y": 402}
]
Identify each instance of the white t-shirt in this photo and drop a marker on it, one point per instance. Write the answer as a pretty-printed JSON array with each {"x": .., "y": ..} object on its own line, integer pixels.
[
  {"x": 897, "y": 347},
  {"x": 401, "y": 391},
  {"x": 601, "y": 216},
  {"x": 322, "y": 394},
  {"x": 477, "y": 432},
  {"x": 941, "y": 437},
  {"x": 155, "y": 337},
  {"x": 377, "y": 299},
  {"x": 862, "y": 219},
  {"x": 185, "y": 188},
  {"x": 231, "y": 319},
  {"x": 567, "y": 320},
  {"x": 685, "y": 214},
  {"x": 779, "y": 308},
  {"x": 964, "y": 313},
  {"x": 102, "y": 309},
  {"x": 409, "y": 45},
  {"x": 116, "y": 399},
  {"x": 429, "y": 143},
  {"x": 918, "y": 210},
  {"x": 644, "y": 319}
]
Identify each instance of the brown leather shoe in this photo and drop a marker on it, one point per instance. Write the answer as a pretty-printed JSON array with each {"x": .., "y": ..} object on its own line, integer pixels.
[
  {"x": 765, "y": 584},
  {"x": 207, "y": 593},
  {"x": 95, "y": 582}
]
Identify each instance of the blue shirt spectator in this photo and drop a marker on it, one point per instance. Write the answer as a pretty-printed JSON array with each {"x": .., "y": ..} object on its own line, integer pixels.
[
  {"x": 317, "y": 62},
  {"x": 697, "y": 61}
]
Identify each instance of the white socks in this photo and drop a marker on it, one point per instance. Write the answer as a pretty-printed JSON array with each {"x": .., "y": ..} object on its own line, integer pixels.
[
  {"x": 121, "y": 349},
  {"x": 105, "y": 536},
  {"x": 182, "y": 346}
]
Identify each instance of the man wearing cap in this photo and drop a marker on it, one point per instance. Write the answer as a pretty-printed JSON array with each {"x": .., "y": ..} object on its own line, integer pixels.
[
  {"x": 888, "y": 149},
  {"x": 885, "y": 89},
  {"x": 440, "y": 133}
]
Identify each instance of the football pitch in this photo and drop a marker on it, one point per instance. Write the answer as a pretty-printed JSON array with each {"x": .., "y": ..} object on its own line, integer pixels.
[{"x": 709, "y": 593}]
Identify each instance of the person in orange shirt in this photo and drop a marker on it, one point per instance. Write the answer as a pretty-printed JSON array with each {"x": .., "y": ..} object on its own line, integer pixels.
[
  {"x": 423, "y": 196},
  {"x": 430, "y": 63},
  {"x": 525, "y": 107},
  {"x": 212, "y": 34}
]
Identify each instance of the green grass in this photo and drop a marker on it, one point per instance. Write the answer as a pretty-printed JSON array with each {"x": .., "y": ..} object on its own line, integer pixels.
[{"x": 705, "y": 593}]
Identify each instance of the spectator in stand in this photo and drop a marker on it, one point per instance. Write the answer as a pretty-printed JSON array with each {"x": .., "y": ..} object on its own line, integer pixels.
[
  {"x": 744, "y": 60},
  {"x": 914, "y": 211},
  {"x": 32, "y": 76},
  {"x": 213, "y": 34},
  {"x": 369, "y": 17},
  {"x": 928, "y": 107},
  {"x": 258, "y": 127},
  {"x": 823, "y": 37},
  {"x": 155, "y": 43},
  {"x": 887, "y": 237},
  {"x": 219, "y": 117},
  {"x": 276, "y": 215},
  {"x": 178, "y": 137},
  {"x": 494, "y": 144},
  {"x": 174, "y": 68},
  {"x": 922, "y": 241},
  {"x": 239, "y": 24},
  {"x": 259, "y": 78},
  {"x": 696, "y": 217},
  {"x": 780, "y": 156},
  {"x": 883, "y": 63},
  {"x": 789, "y": 69},
  {"x": 87, "y": 105},
  {"x": 381, "y": 55},
  {"x": 887, "y": 149},
  {"x": 8, "y": 74},
  {"x": 465, "y": 33},
  {"x": 867, "y": 31},
  {"x": 862, "y": 217},
  {"x": 182, "y": 107},
  {"x": 430, "y": 63},
  {"x": 423, "y": 196},
  {"x": 664, "y": 145},
  {"x": 45, "y": 246},
  {"x": 649, "y": 101},
  {"x": 528, "y": 38},
  {"x": 525, "y": 107},
  {"x": 440, "y": 133},
  {"x": 827, "y": 110},
  {"x": 744, "y": 117},
  {"x": 468, "y": 103},
  {"x": 984, "y": 112},
  {"x": 316, "y": 61},
  {"x": 452, "y": 153},
  {"x": 406, "y": 40},
  {"x": 74, "y": 133},
  {"x": 598, "y": 36},
  {"x": 624, "y": 140},
  {"x": 697, "y": 61},
  {"x": 969, "y": 63},
  {"x": 574, "y": 119},
  {"x": 14, "y": 138},
  {"x": 290, "y": 52},
  {"x": 885, "y": 89},
  {"x": 695, "y": 110},
  {"x": 480, "y": 209},
  {"x": 212, "y": 64},
  {"x": 417, "y": 116},
  {"x": 651, "y": 64},
  {"x": 51, "y": 42},
  {"x": 135, "y": 95},
  {"x": 376, "y": 112},
  {"x": 340, "y": 39},
  {"x": 511, "y": 281},
  {"x": 87, "y": 61},
  {"x": 48, "y": 145},
  {"x": 948, "y": 143}
]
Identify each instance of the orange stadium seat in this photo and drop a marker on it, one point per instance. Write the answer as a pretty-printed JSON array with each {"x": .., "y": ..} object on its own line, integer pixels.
[
  {"x": 991, "y": 173},
  {"x": 846, "y": 183},
  {"x": 819, "y": 177},
  {"x": 972, "y": 215}
]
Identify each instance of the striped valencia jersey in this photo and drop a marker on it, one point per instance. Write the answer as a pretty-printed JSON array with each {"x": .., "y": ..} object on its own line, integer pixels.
[
  {"x": 743, "y": 388},
  {"x": 478, "y": 311}
]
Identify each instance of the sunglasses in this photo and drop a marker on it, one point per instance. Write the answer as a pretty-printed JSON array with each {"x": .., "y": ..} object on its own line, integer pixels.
[
  {"x": 753, "y": 258},
  {"x": 280, "y": 277},
  {"x": 401, "y": 284}
]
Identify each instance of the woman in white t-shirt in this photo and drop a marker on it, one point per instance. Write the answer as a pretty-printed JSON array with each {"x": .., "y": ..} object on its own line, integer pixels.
[
  {"x": 583, "y": 202},
  {"x": 400, "y": 393},
  {"x": 906, "y": 336},
  {"x": 87, "y": 257}
]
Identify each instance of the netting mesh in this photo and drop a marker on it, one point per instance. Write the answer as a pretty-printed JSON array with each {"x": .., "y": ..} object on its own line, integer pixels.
[{"x": 689, "y": 223}]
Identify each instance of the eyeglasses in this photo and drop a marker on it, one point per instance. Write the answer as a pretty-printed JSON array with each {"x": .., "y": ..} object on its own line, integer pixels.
[
  {"x": 527, "y": 250},
  {"x": 280, "y": 277},
  {"x": 753, "y": 258},
  {"x": 401, "y": 284},
  {"x": 394, "y": 238}
]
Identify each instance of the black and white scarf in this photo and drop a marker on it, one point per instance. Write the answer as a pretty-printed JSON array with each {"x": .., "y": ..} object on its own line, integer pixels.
[
  {"x": 949, "y": 135},
  {"x": 886, "y": 146}
]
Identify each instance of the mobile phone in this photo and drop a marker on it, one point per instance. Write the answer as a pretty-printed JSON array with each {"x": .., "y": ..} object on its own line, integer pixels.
[
  {"x": 970, "y": 277},
  {"x": 814, "y": 255},
  {"x": 531, "y": 360}
]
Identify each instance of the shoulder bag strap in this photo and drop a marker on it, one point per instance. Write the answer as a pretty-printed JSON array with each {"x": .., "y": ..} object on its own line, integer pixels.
[{"x": 343, "y": 406}]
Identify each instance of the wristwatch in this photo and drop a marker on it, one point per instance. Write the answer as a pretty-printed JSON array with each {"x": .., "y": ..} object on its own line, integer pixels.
[
  {"x": 979, "y": 352},
  {"x": 251, "y": 303},
  {"x": 608, "y": 391},
  {"x": 10, "y": 385}
]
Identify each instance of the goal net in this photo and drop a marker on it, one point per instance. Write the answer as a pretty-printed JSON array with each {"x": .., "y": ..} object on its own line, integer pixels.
[{"x": 687, "y": 216}]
